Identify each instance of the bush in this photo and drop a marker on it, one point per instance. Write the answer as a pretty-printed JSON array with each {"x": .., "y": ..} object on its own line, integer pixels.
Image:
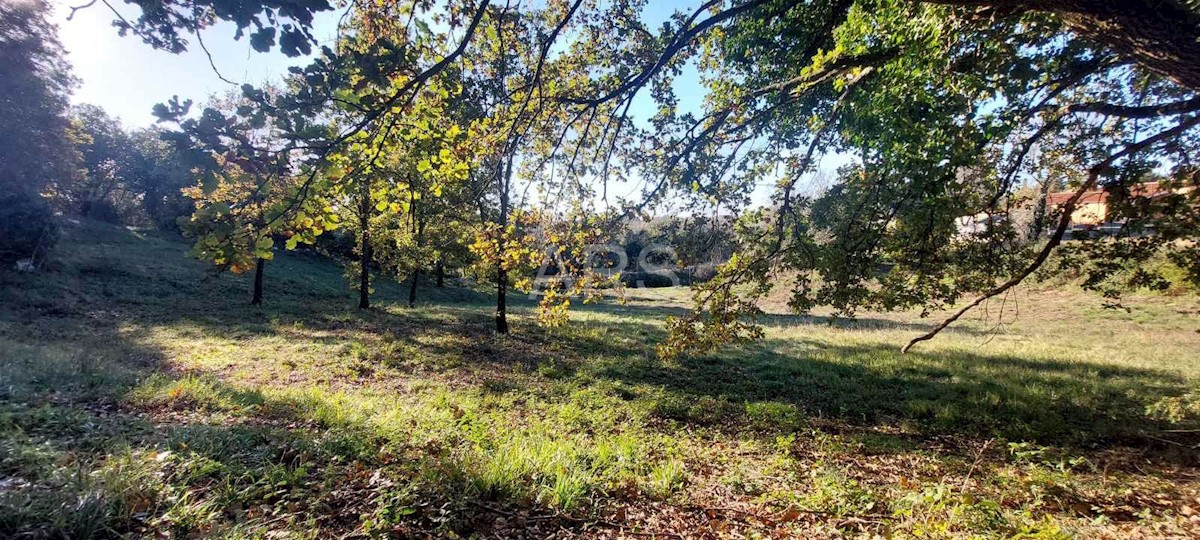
[
  {"x": 27, "y": 229},
  {"x": 699, "y": 273},
  {"x": 649, "y": 280},
  {"x": 102, "y": 210}
]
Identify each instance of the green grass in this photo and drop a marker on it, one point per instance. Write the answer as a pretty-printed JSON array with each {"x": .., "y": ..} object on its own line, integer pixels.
[{"x": 141, "y": 396}]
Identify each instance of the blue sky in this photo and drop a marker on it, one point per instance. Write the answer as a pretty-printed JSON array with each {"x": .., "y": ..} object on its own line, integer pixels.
[{"x": 127, "y": 77}]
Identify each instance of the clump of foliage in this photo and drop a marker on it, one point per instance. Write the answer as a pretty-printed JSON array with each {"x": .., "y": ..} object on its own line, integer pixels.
[
  {"x": 131, "y": 176},
  {"x": 951, "y": 111},
  {"x": 37, "y": 155},
  {"x": 27, "y": 227},
  {"x": 251, "y": 181}
]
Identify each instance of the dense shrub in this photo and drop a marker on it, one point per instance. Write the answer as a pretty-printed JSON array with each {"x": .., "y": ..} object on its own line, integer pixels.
[
  {"x": 339, "y": 244},
  {"x": 1159, "y": 272},
  {"x": 649, "y": 280},
  {"x": 27, "y": 229},
  {"x": 102, "y": 210}
]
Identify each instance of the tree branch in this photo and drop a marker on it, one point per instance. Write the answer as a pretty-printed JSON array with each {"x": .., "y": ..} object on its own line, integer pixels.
[
  {"x": 1162, "y": 36},
  {"x": 1064, "y": 222},
  {"x": 1145, "y": 111},
  {"x": 71, "y": 15}
]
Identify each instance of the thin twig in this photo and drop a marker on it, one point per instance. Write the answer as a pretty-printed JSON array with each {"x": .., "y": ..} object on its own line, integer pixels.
[
  {"x": 978, "y": 460},
  {"x": 211, "y": 62},
  {"x": 77, "y": 8}
]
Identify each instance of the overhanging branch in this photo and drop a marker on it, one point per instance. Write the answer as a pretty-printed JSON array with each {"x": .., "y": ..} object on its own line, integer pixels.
[{"x": 1064, "y": 222}]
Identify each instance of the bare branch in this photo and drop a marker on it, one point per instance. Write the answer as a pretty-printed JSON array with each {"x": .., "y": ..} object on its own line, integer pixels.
[
  {"x": 71, "y": 15},
  {"x": 1145, "y": 111},
  {"x": 211, "y": 63}
]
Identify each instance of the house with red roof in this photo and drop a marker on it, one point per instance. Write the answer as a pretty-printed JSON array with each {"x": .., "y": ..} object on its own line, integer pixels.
[{"x": 1092, "y": 208}]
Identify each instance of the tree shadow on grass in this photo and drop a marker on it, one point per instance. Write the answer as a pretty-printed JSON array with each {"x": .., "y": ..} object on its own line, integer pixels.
[
  {"x": 866, "y": 384},
  {"x": 779, "y": 320},
  {"x": 242, "y": 449},
  {"x": 970, "y": 393},
  {"x": 948, "y": 392},
  {"x": 100, "y": 436}
]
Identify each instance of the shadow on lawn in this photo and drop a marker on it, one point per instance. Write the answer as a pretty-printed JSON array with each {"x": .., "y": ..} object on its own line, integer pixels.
[
  {"x": 779, "y": 320},
  {"x": 976, "y": 395},
  {"x": 957, "y": 392},
  {"x": 73, "y": 358},
  {"x": 77, "y": 461},
  {"x": 954, "y": 392},
  {"x": 83, "y": 429}
]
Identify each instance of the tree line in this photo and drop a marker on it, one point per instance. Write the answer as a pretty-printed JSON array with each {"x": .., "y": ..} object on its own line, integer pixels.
[{"x": 487, "y": 136}]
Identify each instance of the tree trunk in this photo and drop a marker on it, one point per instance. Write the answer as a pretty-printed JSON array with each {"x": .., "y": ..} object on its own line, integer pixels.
[
  {"x": 501, "y": 301},
  {"x": 501, "y": 272},
  {"x": 440, "y": 270},
  {"x": 1040, "y": 211},
  {"x": 364, "y": 271},
  {"x": 412, "y": 289},
  {"x": 419, "y": 240},
  {"x": 258, "y": 278}
]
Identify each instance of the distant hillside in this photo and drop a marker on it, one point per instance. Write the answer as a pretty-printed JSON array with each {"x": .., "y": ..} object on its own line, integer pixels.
[{"x": 102, "y": 262}]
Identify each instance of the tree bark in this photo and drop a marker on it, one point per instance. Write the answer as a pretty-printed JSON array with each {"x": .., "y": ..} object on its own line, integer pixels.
[
  {"x": 1040, "y": 210},
  {"x": 440, "y": 270},
  {"x": 501, "y": 300},
  {"x": 412, "y": 289},
  {"x": 501, "y": 272},
  {"x": 256, "y": 300},
  {"x": 1162, "y": 36},
  {"x": 364, "y": 271},
  {"x": 418, "y": 222}
]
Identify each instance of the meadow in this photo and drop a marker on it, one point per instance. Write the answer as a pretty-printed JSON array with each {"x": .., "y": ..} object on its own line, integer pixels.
[{"x": 140, "y": 396}]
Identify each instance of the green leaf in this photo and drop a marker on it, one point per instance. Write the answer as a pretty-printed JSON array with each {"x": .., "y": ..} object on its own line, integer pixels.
[{"x": 262, "y": 40}]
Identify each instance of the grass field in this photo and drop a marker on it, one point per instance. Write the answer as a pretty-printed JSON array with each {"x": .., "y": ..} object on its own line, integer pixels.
[{"x": 141, "y": 396}]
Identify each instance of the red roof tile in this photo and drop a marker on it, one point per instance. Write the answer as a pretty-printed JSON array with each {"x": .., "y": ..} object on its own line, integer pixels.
[{"x": 1099, "y": 195}]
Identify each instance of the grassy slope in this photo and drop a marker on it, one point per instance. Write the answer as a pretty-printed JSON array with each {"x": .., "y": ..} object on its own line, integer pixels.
[{"x": 140, "y": 395}]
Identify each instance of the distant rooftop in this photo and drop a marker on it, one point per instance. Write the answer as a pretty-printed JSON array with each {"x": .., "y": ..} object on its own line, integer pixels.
[{"x": 1100, "y": 196}]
